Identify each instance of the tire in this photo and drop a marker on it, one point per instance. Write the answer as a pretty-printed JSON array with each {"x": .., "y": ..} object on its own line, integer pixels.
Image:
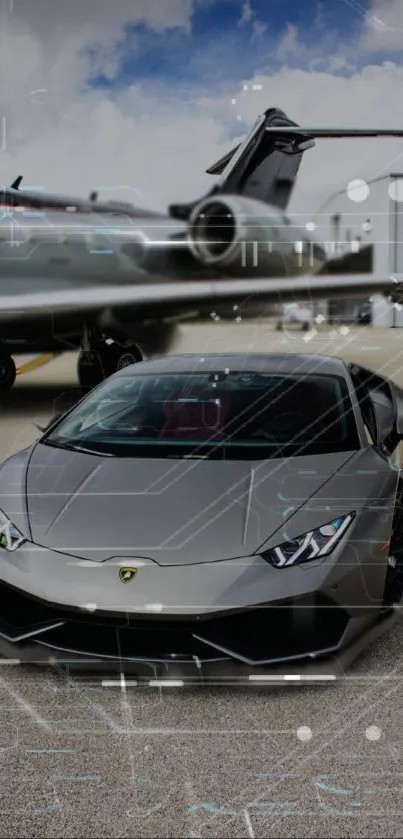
[
  {"x": 97, "y": 364},
  {"x": 8, "y": 371}
]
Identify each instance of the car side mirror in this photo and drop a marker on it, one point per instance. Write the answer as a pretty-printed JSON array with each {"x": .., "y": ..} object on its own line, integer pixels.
[
  {"x": 388, "y": 434},
  {"x": 398, "y": 401},
  {"x": 385, "y": 416}
]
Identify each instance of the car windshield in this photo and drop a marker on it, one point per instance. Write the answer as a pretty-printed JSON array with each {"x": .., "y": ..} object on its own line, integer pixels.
[{"x": 229, "y": 415}]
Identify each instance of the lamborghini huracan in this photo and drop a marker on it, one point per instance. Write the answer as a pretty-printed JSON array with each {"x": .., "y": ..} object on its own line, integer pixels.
[{"x": 208, "y": 517}]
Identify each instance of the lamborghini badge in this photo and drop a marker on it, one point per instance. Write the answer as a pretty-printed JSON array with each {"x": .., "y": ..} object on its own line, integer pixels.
[{"x": 127, "y": 574}]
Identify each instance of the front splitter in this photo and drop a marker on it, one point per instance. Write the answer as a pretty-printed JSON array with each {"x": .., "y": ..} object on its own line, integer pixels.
[{"x": 218, "y": 671}]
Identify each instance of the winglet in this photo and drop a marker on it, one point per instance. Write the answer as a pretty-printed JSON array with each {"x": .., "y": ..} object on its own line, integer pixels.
[{"x": 17, "y": 183}]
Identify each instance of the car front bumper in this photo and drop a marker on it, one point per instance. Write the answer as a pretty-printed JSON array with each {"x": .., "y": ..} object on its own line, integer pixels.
[
  {"x": 215, "y": 671},
  {"x": 227, "y": 620},
  {"x": 302, "y": 638}
]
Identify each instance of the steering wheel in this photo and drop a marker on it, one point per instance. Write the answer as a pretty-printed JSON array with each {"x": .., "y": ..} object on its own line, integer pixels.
[{"x": 282, "y": 419}]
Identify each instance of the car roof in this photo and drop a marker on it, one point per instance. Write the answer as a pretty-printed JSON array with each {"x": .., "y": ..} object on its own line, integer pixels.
[{"x": 297, "y": 363}]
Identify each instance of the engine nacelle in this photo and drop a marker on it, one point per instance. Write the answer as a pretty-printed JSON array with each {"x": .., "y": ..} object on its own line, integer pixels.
[{"x": 245, "y": 237}]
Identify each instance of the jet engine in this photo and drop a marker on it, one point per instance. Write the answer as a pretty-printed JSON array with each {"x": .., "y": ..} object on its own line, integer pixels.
[
  {"x": 244, "y": 237},
  {"x": 237, "y": 235}
]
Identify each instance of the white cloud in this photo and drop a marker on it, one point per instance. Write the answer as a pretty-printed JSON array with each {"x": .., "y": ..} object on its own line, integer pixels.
[
  {"x": 247, "y": 13},
  {"x": 289, "y": 46},
  {"x": 156, "y": 147},
  {"x": 258, "y": 29},
  {"x": 320, "y": 17},
  {"x": 383, "y": 26}
]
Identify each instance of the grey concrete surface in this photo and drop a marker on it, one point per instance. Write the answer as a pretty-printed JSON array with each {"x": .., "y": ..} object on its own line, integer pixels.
[{"x": 85, "y": 760}]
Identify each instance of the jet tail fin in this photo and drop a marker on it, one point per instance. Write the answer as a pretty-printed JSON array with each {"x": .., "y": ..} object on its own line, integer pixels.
[{"x": 266, "y": 164}]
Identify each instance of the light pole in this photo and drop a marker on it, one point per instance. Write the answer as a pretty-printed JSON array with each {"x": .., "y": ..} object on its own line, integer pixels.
[{"x": 395, "y": 191}]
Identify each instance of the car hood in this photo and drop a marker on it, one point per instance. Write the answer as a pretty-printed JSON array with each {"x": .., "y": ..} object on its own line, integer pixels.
[{"x": 173, "y": 512}]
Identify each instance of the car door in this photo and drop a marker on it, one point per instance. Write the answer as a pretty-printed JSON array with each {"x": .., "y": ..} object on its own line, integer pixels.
[{"x": 381, "y": 404}]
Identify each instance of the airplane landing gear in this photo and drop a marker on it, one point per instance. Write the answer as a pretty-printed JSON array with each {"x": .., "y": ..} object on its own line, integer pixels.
[
  {"x": 8, "y": 370},
  {"x": 101, "y": 359}
]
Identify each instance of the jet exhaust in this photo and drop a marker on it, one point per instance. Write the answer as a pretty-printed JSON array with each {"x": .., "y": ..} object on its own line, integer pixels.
[{"x": 235, "y": 235}]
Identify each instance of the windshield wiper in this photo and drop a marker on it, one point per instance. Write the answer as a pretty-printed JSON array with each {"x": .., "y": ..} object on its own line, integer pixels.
[{"x": 73, "y": 447}]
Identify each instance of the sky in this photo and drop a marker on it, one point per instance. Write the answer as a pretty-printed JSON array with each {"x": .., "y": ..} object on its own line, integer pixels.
[{"x": 136, "y": 98}]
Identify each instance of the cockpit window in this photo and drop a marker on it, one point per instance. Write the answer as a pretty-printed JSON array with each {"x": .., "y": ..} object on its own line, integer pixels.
[{"x": 223, "y": 414}]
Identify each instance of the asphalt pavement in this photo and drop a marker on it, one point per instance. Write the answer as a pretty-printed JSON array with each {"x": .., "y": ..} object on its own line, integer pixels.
[{"x": 306, "y": 761}]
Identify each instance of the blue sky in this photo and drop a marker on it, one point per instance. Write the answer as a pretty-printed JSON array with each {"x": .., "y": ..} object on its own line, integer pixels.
[{"x": 230, "y": 40}]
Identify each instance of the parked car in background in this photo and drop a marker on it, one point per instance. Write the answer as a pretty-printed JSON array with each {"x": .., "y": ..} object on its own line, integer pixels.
[{"x": 296, "y": 313}]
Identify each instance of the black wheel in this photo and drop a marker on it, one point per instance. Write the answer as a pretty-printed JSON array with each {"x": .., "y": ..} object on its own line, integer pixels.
[
  {"x": 95, "y": 365},
  {"x": 8, "y": 371}
]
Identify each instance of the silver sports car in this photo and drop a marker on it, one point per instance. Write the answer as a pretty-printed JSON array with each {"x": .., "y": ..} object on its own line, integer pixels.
[{"x": 208, "y": 518}]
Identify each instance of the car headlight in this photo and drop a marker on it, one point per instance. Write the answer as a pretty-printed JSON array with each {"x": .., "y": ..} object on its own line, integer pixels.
[
  {"x": 10, "y": 536},
  {"x": 310, "y": 546}
]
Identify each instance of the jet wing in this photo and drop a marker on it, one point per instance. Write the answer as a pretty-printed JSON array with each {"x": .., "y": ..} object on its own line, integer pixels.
[{"x": 172, "y": 299}]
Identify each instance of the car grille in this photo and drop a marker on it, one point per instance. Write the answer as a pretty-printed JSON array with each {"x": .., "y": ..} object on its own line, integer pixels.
[{"x": 296, "y": 629}]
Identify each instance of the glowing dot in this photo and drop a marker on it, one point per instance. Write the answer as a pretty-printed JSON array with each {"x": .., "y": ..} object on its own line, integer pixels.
[
  {"x": 304, "y": 733},
  {"x": 395, "y": 190},
  {"x": 373, "y": 732},
  {"x": 310, "y": 225},
  {"x": 358, "y": 190}
]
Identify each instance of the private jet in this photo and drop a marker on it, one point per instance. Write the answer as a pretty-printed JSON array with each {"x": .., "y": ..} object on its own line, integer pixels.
[{"x": 113, "y": 280}]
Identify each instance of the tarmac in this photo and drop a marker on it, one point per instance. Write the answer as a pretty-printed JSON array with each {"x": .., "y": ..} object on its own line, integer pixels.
[{"x": 82, "y": 759}]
